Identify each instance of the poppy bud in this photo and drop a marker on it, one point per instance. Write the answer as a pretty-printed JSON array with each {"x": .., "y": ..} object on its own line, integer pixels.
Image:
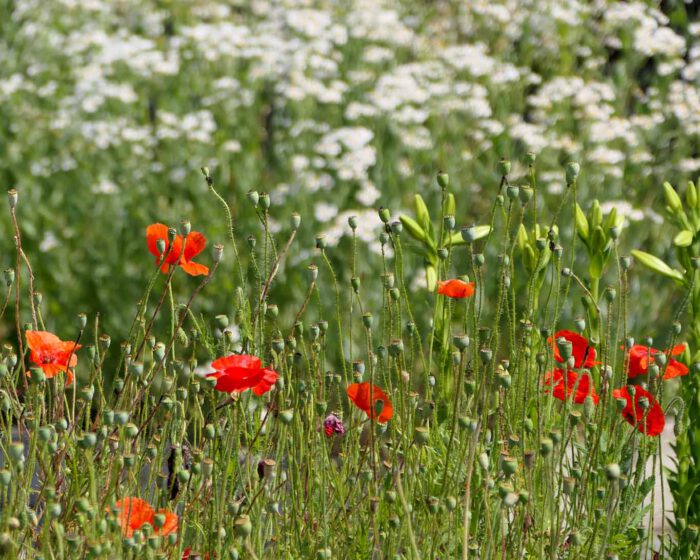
[
  {"x": 295, "y": 221},
  {"x": 384, "y": 214},
  {"x": 588, "y": 407},
  {"x": 12, "y": 198},
  {"x": 253, "y": 198},
  {"x": 352, "y": 222},
  {"x": 9, "y": 274},
  {"x": 503, "y": 167}
]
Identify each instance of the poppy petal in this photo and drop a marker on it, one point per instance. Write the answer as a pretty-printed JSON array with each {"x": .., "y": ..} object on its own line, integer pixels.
[
  {"x": 193, "y": 268},
  {"x": 194, "y": 245}
]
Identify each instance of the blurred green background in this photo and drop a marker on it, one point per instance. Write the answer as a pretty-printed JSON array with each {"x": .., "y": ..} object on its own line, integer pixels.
[{"x": 109, "y": 108}]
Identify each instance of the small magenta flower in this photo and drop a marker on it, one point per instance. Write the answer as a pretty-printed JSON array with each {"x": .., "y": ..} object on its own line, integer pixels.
[{"x": 333, "y": 425}]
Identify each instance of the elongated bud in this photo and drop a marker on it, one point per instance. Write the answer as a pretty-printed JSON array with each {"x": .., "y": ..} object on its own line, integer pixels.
[{"x": 672, "y": 199}]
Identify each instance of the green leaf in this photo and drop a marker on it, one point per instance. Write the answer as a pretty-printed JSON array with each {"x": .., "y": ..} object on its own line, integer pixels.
[
  {"x": 422, "y": 214},
  {"x": 596, "y": 266},
  {"x": 598, "y": 240},
  {"x": 655, "y": 264},
  {"x": 431, "y": 278},
  {"x": 413, "y": 228},
  {"x": 451, "y": 205},
  {"x": 683, "y": 239},
  {"x": 581, "y": 223}
]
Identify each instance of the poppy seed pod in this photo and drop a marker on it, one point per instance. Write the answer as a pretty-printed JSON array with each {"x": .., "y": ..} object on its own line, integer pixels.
[
  {"x": 612, "y": 471},
  {"x": 546, "y": 446},
  {"x": 9, "y": 275},
  {"x": 449, "y": 221},
  {"x": 295, "y": 221},
  {"x": 384, "y": 214},
  {"x": 486, "y": 355},
  {"x": 512, "y": 191},
  {"x": 253, "y": 198},
  {"x": 242, "y": 526},
  {"x": 503, "y": 167},
  {"x": 352, "y": 222},
  {"x": 421, "y": 435},
  {"x": 172, "y": 234},
  {"x": 625, "y": 262},
  {"x": 484, "y": 460},
  {"x": 12, "y": 198},
  {"x": 443, "y": 179},
  {"x": 461, "y": 341},
  {"x": 185, "y": 227},
  {"x": 469, "y": 234},
  {"x": 321, "y": 242},
  {"x": 265, "y": 201},
  {"x": 479, "y": 260},
  {"x": 312, "y": 272},
  {"x": 396, "y": 227},
  {"x": 525, "y": 194},
  {"x": 383, "y": 238},
  {"x": 442, "y": 253},
  {"x": 217, "y": 252}
]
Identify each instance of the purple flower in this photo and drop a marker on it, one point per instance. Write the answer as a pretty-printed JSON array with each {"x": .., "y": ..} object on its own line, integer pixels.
[{"x": 333, "y": 425}]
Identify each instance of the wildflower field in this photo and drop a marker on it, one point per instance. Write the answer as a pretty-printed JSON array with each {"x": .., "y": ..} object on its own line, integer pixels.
[{"x": 364, "y": 279}]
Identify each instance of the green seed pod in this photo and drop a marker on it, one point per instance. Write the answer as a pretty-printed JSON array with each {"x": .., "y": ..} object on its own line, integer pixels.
[
  {"x": 572, "y": 171},
  {"x": 421, "y": 435},
  {"x": 546, "y": 446},
  {"x": 612, "y": 471},
  {"x": 352, "y": 222},
  {"x": 265, "y": 201},
  {"x": 9, "y": 275},
  {"x": 503, "y": 167},
  {"x": 286, "y": 416},
  {"x": 295, "y": 221},
  {"x": 384, "y": 214},
  {"x": 321, "y": 242},
  {"x": 443, "y": 179},
  {"x": 525, "y": 194}
]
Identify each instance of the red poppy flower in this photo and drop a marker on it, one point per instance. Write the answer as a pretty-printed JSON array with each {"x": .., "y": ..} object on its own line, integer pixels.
[
  {"x": 583, "y": 353},
  {"x": 456, "y": 288},
  {"x": 186, "y": 554},
  {"x": 194, "y": 244},
  {"x": 651, "y": 421},
  {"x": 51, "y": 353},
  {"x": 135, "y": 512},
  {"x": 359, "y": 394},
  {"x": 239, "y": 372},
  {"x": 582, "y": 382},
  {"x": 639, "y": 361}
]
